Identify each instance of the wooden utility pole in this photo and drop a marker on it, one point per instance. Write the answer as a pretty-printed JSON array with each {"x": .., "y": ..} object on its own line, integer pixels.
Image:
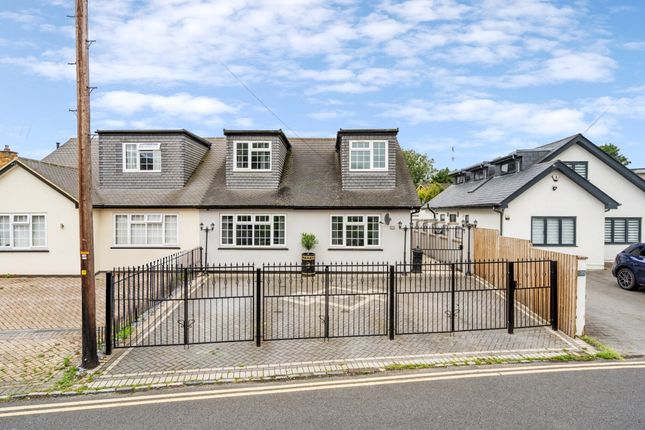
[{"x": 88, "y": 293}]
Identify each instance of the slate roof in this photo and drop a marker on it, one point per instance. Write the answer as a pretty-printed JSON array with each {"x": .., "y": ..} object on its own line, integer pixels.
[
  {"x": 311, "y": 179},
  {"x": 498, "y": 191}
]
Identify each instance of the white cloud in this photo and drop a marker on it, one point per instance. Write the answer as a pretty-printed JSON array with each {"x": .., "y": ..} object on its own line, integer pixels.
[
  {"x": 634, "y": 46},
  {"x": 497, "y": 119},
  {"x": 181, "y": 105}
]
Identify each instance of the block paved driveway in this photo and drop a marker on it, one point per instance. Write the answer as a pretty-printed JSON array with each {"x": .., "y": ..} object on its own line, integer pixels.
[
  {"x": 614, "y": 316},
  {"x": 40, "y": 321}
]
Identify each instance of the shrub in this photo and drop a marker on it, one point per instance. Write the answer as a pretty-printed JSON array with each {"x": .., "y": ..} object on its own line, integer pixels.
[{"x": 308, "y": 241}]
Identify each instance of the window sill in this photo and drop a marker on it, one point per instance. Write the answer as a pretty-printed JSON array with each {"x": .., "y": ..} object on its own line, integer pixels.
[
  {"x": 24, "y": 250},
  {"x": 354, "y": 248},
  {"x": 145, "y": 247},
  {"x": 254, "y": 248},
  {"x": 555, "y": 246}
]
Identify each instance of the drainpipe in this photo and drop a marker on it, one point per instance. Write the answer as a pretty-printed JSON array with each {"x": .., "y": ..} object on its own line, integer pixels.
[
  {"x": 413, "y": 212},
  {"x": 501, "y": 220}
]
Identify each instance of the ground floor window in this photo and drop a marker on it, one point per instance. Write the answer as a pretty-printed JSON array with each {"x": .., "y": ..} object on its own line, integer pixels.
[
  {"x": 553, "y": 231},
  {"x": 253, "y": 230},
  {"x": 355, "y": 231},
  {"x": 23, "y": 231},
  {"x": 145, "y": 230},
  {"x": 622, "y": 230}
]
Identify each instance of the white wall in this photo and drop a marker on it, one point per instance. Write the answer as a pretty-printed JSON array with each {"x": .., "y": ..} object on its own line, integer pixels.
[
  {"x": 631, "y": 198},
  {"x": 22, "y": 192},
  {"x": 109, "y": 256},
  {"x": 567, "y": 200},
  {"x": 307, "y": 221}
]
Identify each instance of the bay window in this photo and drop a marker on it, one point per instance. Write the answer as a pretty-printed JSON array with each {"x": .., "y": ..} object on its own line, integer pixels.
[
  {"x": 145, "y": 230},
  {"x": 355, "y": 231},
  {"x": 23, "y": 231},
  {"x": 253, "y": 230}
]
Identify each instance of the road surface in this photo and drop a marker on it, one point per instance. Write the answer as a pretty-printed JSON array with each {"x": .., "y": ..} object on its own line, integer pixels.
[{"x": 531, "y": 396}]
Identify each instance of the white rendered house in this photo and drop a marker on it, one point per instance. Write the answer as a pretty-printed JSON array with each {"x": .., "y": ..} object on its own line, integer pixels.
[{"x": 567, "y": 195}]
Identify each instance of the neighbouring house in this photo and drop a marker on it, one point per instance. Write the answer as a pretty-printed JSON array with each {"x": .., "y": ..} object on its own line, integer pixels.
[
  {"x": 568, "y": 194},
  {"x": 640, "y": 172},
  {"x": 154, "y": 190}
]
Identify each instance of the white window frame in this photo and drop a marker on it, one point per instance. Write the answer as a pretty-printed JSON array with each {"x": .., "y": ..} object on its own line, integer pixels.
[
  {"x": 253, "y": 223},
  {"x": 370, "y": 148},
  {"x": 31, "y": 239},
  {"x": 344, "y": 238},
  {"x": 129, "y": 244},
  {"x": 250, "y": 152},
  {"x": 138, "y": 168}
]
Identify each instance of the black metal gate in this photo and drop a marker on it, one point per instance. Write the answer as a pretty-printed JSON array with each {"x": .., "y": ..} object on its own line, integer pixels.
[
  {"x": 441, "y": 242},
  {"x": 167, "y": 303},
  {"x": 336, "y": 300}
]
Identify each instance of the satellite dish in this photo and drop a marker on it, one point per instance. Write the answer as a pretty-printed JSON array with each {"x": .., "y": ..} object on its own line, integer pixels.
[{"x": 387, "y": 219}]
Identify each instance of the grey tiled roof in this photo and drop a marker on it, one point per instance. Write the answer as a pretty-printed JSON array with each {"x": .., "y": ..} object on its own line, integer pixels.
[
  {"x": 491, "y": 192},
  {"x": 63, "y": 177},
  {"x": 500, "y": 189},
  {"x": 311, "y": 179}
]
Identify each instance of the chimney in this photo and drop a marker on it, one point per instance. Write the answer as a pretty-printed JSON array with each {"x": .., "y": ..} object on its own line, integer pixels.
[
  {"x": 7, "y": 155},
  {"x": 57, "y": 145}
]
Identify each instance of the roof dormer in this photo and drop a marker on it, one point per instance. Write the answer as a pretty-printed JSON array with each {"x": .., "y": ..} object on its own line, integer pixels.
[
  {"x": 367, "y": 157},
  {"x": 255, "y": 158}
]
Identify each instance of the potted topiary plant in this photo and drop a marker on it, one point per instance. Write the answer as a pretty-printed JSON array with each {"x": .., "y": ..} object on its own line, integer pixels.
[{"x": 308, "y": 241}]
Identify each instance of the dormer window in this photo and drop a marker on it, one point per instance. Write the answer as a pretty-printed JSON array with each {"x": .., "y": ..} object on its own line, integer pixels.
[
  {"x": 141, "y": 157},
  {"x": 510, "y": 167},
  {"x": 480, "y": 174},
  {"x": 255, "y": 156},
  {"x": 367, "y": 155}
]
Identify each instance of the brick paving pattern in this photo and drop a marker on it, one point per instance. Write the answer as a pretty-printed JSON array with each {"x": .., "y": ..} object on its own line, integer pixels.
[
  {"x": 40, "y": 321},
  {"x": 313, "y": 357}
]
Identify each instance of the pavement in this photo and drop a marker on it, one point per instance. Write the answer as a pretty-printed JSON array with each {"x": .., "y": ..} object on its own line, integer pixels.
[
  {"x": 614, "y": 316},
  {"x": 40, "y": 330},
  {"x": 595, "y": 395}
]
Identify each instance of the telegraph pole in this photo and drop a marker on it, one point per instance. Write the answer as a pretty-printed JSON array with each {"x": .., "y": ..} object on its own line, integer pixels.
[{"x": 88, "y": 293}]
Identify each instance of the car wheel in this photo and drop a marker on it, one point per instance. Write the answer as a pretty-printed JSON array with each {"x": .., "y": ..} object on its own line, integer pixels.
[{"x": 626, "y": 279}]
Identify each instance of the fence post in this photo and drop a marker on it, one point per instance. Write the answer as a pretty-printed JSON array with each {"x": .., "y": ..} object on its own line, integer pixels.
[
  {"x": 109, "y": 312},
  {"x": 326, "y": 302},
  {"x": 392, "y": 304},
  {"x": 258, "y": 307},
  {"x": 453, "y": 281},
  {"x": 510, "y": 285},
  {"x": 186, "y": 322},
  {"x": 553, "y": 266}
]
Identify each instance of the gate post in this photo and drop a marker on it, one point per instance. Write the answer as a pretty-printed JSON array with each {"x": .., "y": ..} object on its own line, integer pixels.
[
  {"x": 553, "y": 269},
  {"x": 453, "y": 281},
  {"x": 510, "y": 285},
  {"x": 326, "y": 302},
  {"x": 258, "y": 307},
  {"x": 186, "y": 323},
  {"x": 392, "y": 305},
  {"x": 109, "y": 312}
]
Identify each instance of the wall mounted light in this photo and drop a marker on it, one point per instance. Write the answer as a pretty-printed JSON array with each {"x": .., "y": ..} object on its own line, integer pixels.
[{"x": 555, "y": 177}]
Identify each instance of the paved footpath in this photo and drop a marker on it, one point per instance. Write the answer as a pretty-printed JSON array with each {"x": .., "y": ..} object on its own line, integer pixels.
[
  {"x": 233, "y": 362},
  {"x": 40, "y": 322}
]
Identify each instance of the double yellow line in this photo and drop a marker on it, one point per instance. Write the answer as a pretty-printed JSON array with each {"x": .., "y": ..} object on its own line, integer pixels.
[{"x": 141, "y": 400}]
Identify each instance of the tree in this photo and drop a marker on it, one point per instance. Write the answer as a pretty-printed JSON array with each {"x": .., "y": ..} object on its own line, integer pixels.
[
  {"x": 614, "y": 152},
  {"x": 429, "y": 191},
  {"x": 441, "y": 176},
  {"x": 421, "y": 167}
]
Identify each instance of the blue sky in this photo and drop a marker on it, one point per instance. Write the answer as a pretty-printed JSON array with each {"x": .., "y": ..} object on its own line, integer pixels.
[{"x": 463, "y": 80}]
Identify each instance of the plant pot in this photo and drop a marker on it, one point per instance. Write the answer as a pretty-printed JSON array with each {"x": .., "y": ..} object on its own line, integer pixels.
[{"x": 308, "y": 264}]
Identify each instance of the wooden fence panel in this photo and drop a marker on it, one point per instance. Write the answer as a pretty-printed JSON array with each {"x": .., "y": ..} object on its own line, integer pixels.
[{"x": 489, "y": 246}]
